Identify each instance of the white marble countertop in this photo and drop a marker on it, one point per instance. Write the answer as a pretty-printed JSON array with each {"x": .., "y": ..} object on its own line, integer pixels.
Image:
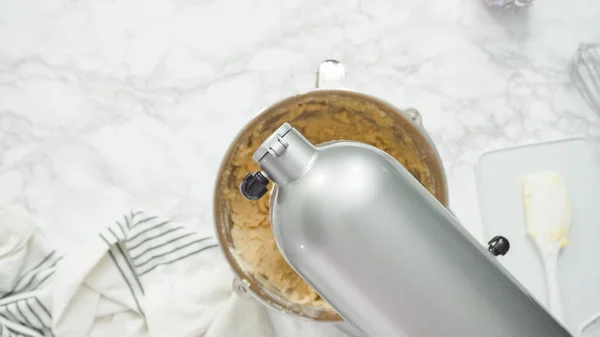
[{"x": 109, "y": 105}]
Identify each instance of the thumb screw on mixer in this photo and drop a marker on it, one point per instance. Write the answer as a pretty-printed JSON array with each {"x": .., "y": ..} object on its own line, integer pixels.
[
  {"x": 254, "y": 186},
  {"x": 498, "y": 245}
]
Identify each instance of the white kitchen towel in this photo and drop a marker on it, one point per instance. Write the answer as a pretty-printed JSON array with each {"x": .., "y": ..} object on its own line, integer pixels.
[
  {"x": 141, "y": 276},
  {"x": 27, "y": 267}
]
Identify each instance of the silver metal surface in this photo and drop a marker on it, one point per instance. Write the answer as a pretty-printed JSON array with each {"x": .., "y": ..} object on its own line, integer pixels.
[
  {"x": 240, "y": 288},
  {"x": 348, "y": 330},
  {"x": 585, "y": 72},
  {"x": 266, "y": 145},
  {"x": 508, "y": 3},
  {"x": 288, "y": 159},
  {"x": 414, "y": 115},
  {"x": 385, "y": 253},
  {"x": 331, "y": 74}
]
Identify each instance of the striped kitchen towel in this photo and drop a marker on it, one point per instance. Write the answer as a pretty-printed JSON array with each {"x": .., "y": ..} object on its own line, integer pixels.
[
  {"x": 141, "y": 276},
  {"x": 27, "y": 266}
]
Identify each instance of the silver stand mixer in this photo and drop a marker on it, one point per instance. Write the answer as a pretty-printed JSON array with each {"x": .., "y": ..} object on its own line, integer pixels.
[{"x": 378, "y": 247}]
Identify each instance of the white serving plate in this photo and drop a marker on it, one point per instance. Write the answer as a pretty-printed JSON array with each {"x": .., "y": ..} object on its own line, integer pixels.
[{"x": 500, "y": 174}]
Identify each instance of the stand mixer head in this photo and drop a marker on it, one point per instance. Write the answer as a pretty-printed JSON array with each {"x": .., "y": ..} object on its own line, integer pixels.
[{"x": 380, "y": 249}]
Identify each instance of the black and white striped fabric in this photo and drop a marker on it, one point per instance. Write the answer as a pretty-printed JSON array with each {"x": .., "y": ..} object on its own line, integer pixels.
[
  {"x": 139, "y": 244},
  {"x": 109, "y": 277},
  {"x": 27, "y": 268},
  {"x": 22, "y": 312}
]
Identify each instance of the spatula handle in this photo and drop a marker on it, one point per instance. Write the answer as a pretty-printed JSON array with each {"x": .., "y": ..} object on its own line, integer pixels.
[{"x": 551, "y": 264}]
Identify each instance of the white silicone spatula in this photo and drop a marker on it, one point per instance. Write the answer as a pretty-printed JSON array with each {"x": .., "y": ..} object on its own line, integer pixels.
[{"x": 548, "y": 217}]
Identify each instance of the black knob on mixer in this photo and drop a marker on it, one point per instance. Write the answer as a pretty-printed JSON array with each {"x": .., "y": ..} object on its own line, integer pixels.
[
  {"x": 498, "y": 245},
  {"x": 254, "y": 186}
]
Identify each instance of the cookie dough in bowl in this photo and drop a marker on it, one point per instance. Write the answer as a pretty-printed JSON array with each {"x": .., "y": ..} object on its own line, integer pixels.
[{"x": 321, "y": 117}]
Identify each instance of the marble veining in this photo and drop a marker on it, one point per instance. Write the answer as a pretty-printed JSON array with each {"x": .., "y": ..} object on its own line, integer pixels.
[{"x": 112, "y": 105}]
